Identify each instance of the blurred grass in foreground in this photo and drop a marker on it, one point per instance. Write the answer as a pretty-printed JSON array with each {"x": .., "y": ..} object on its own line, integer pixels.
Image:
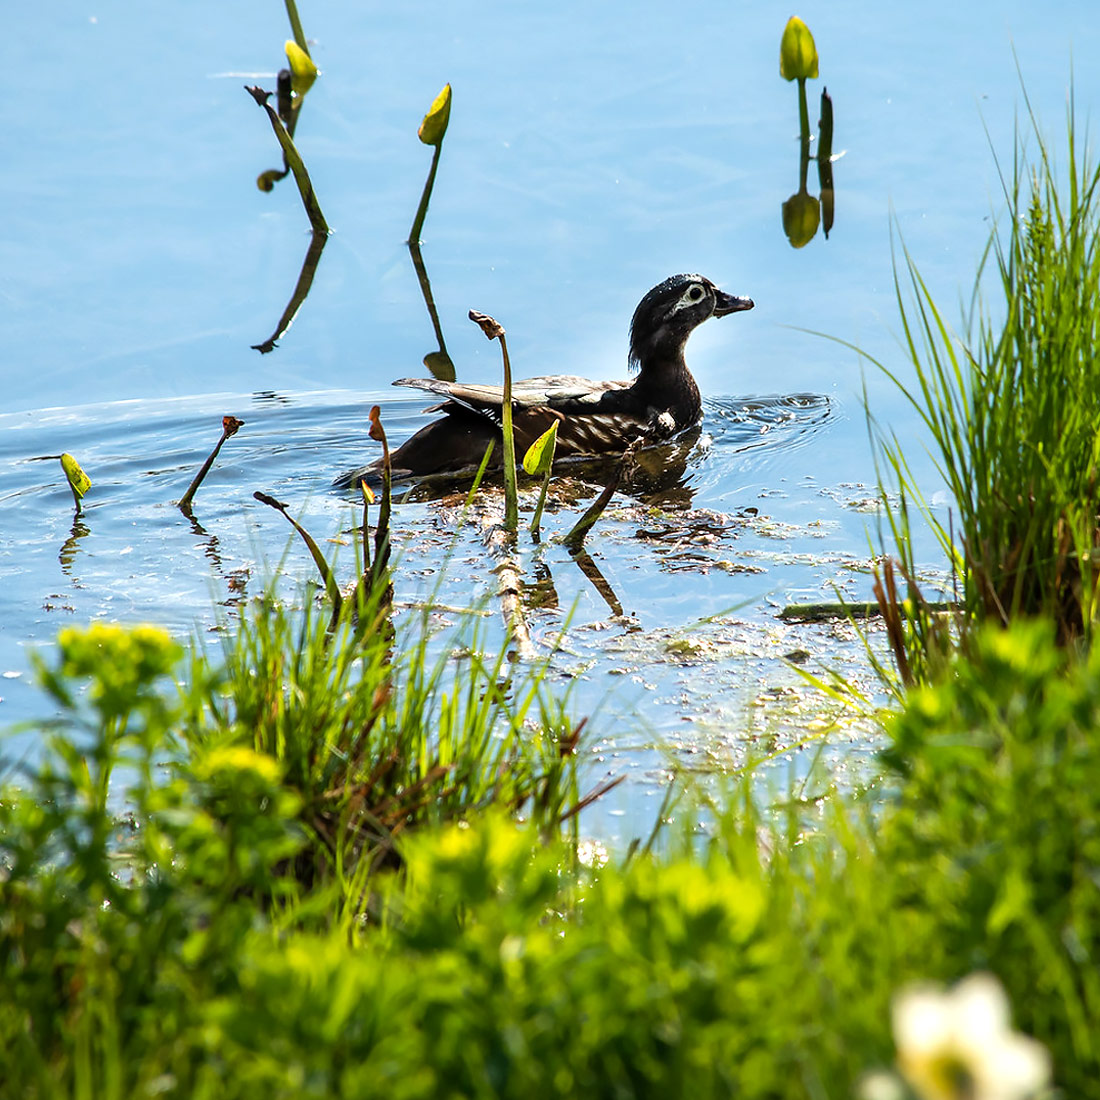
[{"x": 320, "y": 888}]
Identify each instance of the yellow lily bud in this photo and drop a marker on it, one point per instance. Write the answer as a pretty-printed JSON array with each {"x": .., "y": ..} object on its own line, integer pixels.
[
  {"x": 435, "y": 121},
  {"x": 801, "y": 215},
  {"x": 303, "y": 71},
  {"x": 797, "y": 52}
]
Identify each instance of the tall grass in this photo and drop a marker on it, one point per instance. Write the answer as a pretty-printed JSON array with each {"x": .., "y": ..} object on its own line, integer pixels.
[
  {"x": 1012, "y": 406},
  {"x": 378, "y": 731}
]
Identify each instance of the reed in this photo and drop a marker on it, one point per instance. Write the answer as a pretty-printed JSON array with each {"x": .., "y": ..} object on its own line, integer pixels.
[
  {"x": 378, "y": 732},
  {"x": 1011, "y": 405}
]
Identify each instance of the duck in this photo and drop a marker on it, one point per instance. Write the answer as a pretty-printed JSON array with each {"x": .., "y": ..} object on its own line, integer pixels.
[{"x": 594, "y": 418}]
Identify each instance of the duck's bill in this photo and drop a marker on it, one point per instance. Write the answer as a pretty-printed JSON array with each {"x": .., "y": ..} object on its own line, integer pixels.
[{"x": 729, "y": 303}]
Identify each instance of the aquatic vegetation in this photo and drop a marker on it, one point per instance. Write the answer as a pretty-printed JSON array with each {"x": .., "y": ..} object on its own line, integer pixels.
[
  {"x": 346, "y": 862},
  {"x": 539, "y": 459},
  {"x": 303, "y": 71},
  {"x": 294, "y": 160},
  {"x": 802, "y": 212},
  {"x": 328, "y": 574},
  {"x": 575, "y": 536},
  {"x": 797, "y": 52},
  {"x": 78, "y": 480},
  {"x": 296, "y": 28},
  {"x": 432, "y": 131},
  {"x": 433, "y": 128},
  {"x": 494, "y": 330},
  {"x": 230, "y": 426},
  {"x": 376, "y": 575},
  {"x": 1011, "y": 405}
]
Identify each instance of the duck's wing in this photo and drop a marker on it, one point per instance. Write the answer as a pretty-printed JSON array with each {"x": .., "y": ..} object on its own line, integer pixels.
[
  {"x": 592, "y": 417},
  {"x": 562, "y": 393}
]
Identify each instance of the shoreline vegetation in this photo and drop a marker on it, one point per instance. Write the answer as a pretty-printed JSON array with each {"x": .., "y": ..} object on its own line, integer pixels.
[
  {"x": 1011, "y": 406},
  {"x": 349, "y": 861},
  {"x": 330, "y": 882}
]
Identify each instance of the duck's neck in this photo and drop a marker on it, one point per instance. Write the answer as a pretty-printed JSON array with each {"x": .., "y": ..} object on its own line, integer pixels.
[{"x": 664, "y": 383}]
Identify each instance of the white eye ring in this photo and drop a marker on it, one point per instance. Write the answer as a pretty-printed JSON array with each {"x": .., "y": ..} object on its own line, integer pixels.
[{"x": 690, "y": 297}]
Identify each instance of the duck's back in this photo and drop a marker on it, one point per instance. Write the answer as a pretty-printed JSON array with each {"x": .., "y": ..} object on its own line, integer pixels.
[{"x": 562, "y": 392}]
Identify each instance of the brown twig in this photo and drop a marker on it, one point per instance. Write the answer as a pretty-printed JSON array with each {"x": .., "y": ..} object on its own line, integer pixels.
[
  {"x": 382, "y": 531},
  {"x": 574, "y": 540},
  {"x": 230, "y": 426}
]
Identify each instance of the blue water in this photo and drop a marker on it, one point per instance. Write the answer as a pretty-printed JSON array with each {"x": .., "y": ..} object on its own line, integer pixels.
[{"x": 593, "y": 150}]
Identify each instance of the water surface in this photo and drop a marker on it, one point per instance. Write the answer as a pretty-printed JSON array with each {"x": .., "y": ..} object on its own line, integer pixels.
[{"x": 593, "y": 150}]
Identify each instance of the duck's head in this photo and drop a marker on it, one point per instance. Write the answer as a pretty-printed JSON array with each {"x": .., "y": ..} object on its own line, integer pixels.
[{"x": 666, "y": 316}]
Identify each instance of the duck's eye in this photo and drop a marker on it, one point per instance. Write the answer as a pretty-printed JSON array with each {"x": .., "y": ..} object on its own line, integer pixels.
[{"x": 690, "y": 298}]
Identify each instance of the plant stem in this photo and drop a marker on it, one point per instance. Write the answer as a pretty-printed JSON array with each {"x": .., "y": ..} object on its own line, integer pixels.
[
  {"x": 332, "y": 588},
  {"x": 536, "y": 519},
  {"x": 511, "y": 504},
  {"x": 296, "y": 26},
  {"x": 294, "y": 159},
  {"x": 230, "y": 426},
  {"x": 803, "y": 110},
  {"x": 574, "y": 540},
  {"x": 425, "y": 197}
]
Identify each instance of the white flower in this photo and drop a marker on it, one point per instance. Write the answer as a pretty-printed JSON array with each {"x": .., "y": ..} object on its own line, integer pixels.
[
  {"x": 880, "y": 1085},
  {"x": 959, "y": 1044}
]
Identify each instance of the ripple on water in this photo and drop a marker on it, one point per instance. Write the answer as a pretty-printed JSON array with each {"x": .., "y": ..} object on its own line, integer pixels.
[{"x": 730, "y": 521}]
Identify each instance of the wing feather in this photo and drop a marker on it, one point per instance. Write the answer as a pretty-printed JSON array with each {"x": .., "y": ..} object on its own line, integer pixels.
[{"x": 564, "y": 392}]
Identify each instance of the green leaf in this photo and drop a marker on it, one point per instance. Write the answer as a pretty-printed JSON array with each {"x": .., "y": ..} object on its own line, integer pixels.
[
  {"x": 797, "y": 52},
  {"x": 541, "y": 453},
  {"x": 294, "y": 161},
  {"x": 332, "y": 587},
  {"x": 78, "y": 479},
  {"x": 435, "y": 121}
]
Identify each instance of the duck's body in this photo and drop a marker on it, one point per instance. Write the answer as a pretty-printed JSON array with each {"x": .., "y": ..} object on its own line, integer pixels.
[{"x": 594, "y": 418}]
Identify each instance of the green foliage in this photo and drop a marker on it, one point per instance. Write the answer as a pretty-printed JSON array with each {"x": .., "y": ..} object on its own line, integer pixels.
[
  {"x": 262, "y": 795},
  {"x": 1012, "y": 408},
  {"x": 995, "y": 829},
  {"x": 539, "y": 459},
  {"x": 78, "y": 480},
  {"x": 181, "y": 951},
  {"x": 378, "y": 732},
  {"x": 105, "y": 923}
]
